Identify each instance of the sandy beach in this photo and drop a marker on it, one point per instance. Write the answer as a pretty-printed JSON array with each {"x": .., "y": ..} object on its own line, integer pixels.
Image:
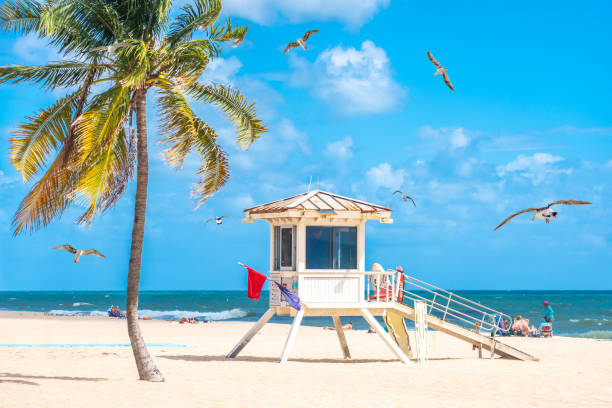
[{"x": 572, "y": 371}]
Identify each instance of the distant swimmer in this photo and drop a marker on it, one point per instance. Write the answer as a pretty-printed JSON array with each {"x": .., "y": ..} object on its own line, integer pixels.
[
  {"x": 79, "y": 252},
  {"x": 348, "y": 326},
  {"x": 544, "y": 213},
  {"x": 218, "y": 220},
  {"x": 404, "y": 196}
]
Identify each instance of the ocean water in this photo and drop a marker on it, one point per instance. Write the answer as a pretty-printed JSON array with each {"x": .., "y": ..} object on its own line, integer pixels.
[{"x": 577, "y": 313}]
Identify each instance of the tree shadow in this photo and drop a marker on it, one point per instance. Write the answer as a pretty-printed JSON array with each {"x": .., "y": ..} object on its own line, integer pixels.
[
  {"x": 43, "y": 377},
  {"x": 19, "y": 382},
  {"x": 208, "y": 358}
]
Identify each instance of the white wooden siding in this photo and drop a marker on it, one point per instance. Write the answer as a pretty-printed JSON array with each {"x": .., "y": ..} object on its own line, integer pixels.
[{"x": 330, "y": 289}]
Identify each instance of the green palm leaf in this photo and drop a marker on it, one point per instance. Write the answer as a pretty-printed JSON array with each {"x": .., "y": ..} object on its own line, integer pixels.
[
  {"x": 214, "y": 171},
  {"x": 51, "y": 76},
  {"x": 235, "y": 106},
  {"x": 203, "y": 15},
  {"x": 35, "y": 139}
]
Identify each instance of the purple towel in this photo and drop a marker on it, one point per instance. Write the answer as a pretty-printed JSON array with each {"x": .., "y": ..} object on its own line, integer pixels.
[{"x": 290, "y": 297}]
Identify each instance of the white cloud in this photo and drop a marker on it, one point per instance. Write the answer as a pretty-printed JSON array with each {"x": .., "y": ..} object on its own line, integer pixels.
[
  {"x": 353, "y": 81},
  {"x": 4, "y": 179},
  {"x": 454, "y": 138},
  {"x": 222, "y": 69},
  {"x": 458, "y": 139},
  {"x": 341, "y": 149},
  {"x": 243, "y": 201},
  {"x": 535, "y": 167},
  {"x": 290, "y": 134},
  {"x": 274, "y": 147},
  {"x": 34, "y": 50},
  {"x": 383, "y": 175},
  {"x": 266, "y": 12}
]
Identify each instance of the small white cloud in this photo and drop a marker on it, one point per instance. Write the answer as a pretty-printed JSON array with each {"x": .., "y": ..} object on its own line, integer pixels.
[
  {"x": 341, "y": 149},
  {"x": 458, "y": 139},
  {"x": 34, "y": 50},
  {"x": 608, "y": 164},
  {"x": 222, "y": 70},
  {"x": 243, "y": 201},
  {"x": 535, "y": 167},
  {"x": 453, "y": 138},
  {"x": 266, "y": 12},
  {"x": 353, "y": 81},
  {"x": 289, "y": 132},
  {"x": 5, "y": 180},
  {"x": 383, "y": 175}
]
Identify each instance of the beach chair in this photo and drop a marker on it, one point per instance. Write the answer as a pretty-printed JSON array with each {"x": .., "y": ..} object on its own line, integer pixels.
[{"x": 546, "y": 331}]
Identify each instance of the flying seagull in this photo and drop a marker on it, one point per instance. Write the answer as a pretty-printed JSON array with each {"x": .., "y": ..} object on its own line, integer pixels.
[
  {"x": 440, "y": 70},
  {"x": 300, "y": 42},
  {"x": 218, "y": 220},
  {"x": 544, "y": 213},
  {"x": 404, "y": 196},
  {"x": 79, "y": 252}
]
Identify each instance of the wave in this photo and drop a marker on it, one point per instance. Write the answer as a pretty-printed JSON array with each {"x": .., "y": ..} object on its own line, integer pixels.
[
  {"x": 574, "y": 320},
  {"x": 76, "y": 304},
  {"x": 59, "y": 312},
  {"x": 161, "y": 314},
  {"x": 593, "y": 334},
  {"x": 209, "y": 316}
]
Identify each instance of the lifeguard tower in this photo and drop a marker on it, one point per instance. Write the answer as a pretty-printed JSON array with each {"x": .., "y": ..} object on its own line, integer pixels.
[{"x": 317, "y": 250}]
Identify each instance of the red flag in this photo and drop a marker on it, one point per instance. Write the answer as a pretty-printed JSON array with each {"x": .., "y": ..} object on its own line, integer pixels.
[{"x": 256, "y": 281}]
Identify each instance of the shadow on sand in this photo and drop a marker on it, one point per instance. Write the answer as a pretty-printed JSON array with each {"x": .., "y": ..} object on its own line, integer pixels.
[
  {"x": 10, "y": 377},
  {"x": 206, "y": 358}
]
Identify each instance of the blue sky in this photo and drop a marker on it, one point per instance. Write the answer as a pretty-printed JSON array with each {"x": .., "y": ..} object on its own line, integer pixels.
[{"x": 359, "y": 111}]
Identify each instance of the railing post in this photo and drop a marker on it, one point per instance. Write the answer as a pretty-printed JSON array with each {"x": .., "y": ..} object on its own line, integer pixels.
[
  {"x": 433, "y": 301},
  {"x": 446, "y": 308}
]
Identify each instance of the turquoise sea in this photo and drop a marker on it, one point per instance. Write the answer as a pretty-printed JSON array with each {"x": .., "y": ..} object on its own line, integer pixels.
[{"x": 578, "y": 313}]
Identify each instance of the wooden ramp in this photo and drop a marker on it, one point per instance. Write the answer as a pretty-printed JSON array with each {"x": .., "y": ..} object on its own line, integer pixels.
[{"x": 487, "y": 343}]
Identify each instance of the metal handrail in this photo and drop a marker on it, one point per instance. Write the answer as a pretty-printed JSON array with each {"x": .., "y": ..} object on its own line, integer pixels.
[{"x": 448, "y": 303}]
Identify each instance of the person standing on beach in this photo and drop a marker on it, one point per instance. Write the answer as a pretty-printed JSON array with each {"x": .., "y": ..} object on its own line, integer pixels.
[{"x": 549, "y": 315}]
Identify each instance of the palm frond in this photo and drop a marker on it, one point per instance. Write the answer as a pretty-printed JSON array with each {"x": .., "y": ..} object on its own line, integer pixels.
[
  {"x": 54, "y": 75},
  {"x": 177, "y": 124},
  {"x": 20, "y": 16},
  {"x": 102, "y": 137},
  {"x": 48, "y": 199},
  {"x": 35, "y": 139},
  {"x": 235, "y": 106},
  {"x": 203, "y": 15},
  {"x": 105, "y": 178},
  {"x": 214, "y": 171},
  {"x": 227, "y": 32},
  {"x": 139, "y": 64}
]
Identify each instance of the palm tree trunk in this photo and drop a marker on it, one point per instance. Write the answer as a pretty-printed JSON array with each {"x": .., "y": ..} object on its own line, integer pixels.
[{"x": 147, "y": 370}]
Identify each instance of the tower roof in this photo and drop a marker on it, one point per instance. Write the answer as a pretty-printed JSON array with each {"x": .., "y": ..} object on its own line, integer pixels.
[{"x": 318, "y": 202}]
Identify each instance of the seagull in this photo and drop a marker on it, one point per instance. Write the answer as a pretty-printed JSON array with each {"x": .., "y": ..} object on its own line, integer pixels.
[
  {"x": 544, "y": 213},
  {"x": 79, "y": 252},
  {"x": 404, "y": 196},
  {"x": 440, "y": 70},
  {"x": 300, "y": 42},
  {"x": 218, "y": 220}
]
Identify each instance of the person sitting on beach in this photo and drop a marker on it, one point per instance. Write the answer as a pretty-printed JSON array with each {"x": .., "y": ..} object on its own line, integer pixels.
[
  {"x": 520, "y": 326},
  {"x": 549, "y": 315},
  {"x": 348, "y": 326},
  {"x": 183, "y": 320}
]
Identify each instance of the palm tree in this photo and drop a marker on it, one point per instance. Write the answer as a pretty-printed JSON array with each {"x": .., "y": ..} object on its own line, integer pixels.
[{"x": 83, "y": 147}]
